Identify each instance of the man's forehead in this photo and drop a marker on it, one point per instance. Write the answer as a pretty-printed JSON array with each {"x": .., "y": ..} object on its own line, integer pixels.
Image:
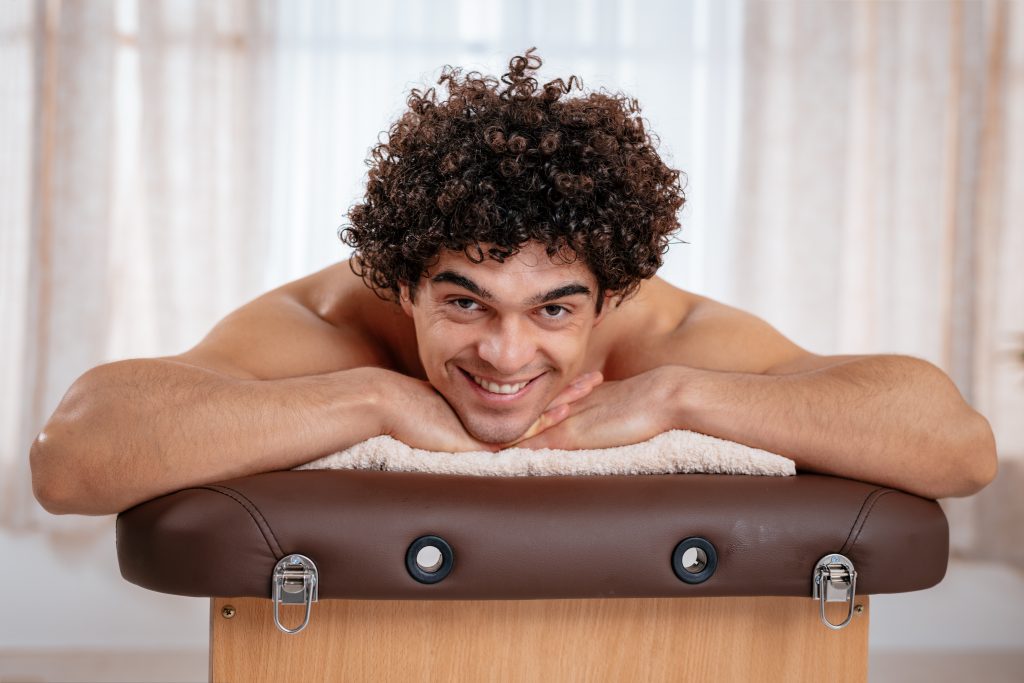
[{"x": 531, "y": 261}]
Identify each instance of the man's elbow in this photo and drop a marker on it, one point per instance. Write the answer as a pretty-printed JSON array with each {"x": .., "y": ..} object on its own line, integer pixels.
[
  {"x": 976, "y": 463},
  {"x": 986, "y": 456},
  {"x": 58, "y": 489},
  {"x": 49, "y": 489}
]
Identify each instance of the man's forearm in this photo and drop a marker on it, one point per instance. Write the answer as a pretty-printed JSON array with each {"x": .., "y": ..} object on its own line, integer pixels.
[
  {"x": 130, "y": 431},
  {"x": 892, "y": 420}
]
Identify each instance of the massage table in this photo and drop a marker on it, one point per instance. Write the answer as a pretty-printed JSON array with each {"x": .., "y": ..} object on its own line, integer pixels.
[{"x": 363, "y": 575}]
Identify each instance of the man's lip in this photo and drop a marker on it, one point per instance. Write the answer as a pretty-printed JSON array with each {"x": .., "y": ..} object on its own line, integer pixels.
[
  {"x": 499, "y": 381},
  {"x": 495, "y": 400}
]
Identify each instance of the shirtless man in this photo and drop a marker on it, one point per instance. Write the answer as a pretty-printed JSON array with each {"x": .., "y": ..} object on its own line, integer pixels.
[{"x": 517, "y": 236}]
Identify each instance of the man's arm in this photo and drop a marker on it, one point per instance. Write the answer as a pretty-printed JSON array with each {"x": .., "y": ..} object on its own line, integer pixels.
[
  {"x": 892, "y": 420},
  {"x": 889, "y": 419},
  {"x": 129, "y": 431},
  {"x": 271, "y": 387}
]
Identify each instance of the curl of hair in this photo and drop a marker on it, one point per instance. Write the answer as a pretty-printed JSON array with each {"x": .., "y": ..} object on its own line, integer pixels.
[{"x": 506, "y": 162}]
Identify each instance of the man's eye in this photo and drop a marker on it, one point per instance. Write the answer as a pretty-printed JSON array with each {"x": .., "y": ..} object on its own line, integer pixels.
[
  {"x": 463, "y": 304},
  {"x": 554, "y": 312}
]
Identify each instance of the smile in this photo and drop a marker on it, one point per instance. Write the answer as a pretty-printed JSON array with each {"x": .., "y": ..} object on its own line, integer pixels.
[{"x": 495, "y": 390}]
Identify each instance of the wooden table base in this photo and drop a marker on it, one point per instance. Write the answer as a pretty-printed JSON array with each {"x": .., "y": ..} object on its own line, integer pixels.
[{"x": 614, "y": 639}]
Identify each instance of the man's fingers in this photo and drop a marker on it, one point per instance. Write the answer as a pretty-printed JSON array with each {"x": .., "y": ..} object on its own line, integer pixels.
[
  {"x": 559, "y": 408},
  {"x": 577, "y": 390},
  {"x": 548, "y": 419}
]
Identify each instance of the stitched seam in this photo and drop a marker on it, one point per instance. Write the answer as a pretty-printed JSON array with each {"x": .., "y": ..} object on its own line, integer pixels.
[
  {"x": 261, "y": 522},
  {"x": 860, "y": 513},
  {"x": 863, "y": 519}
]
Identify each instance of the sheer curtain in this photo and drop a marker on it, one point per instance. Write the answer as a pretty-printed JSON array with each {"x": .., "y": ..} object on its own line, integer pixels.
[
  {"x": 874, "y": 204},
  {"x": 849, "y": 169}
]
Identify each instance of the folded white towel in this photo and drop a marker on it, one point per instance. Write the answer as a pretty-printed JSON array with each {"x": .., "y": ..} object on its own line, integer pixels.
[{"x": 675, "y": 451}]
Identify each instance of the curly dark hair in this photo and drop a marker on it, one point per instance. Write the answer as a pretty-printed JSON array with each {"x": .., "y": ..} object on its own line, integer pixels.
[{"x": 506, "y": 166}]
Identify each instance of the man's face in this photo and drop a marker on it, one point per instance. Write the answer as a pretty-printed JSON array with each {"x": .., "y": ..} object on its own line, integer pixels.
[{"x": 500, "y": 340}]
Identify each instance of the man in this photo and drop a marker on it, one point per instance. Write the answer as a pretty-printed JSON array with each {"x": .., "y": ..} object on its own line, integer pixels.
[{"x": 502, "y": 291}]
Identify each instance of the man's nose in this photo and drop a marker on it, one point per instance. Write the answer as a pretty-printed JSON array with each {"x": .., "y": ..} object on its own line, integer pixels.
[{"x": 508, "y": 346}]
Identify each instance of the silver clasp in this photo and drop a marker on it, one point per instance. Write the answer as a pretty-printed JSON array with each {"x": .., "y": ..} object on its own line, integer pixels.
[
  {"x": 834, "y": 580},
  {"x": 295, "y": 583}
]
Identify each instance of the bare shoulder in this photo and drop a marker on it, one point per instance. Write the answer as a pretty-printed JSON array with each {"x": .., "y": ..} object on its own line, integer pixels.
[
  {"x": 697, "y": 331},
  {"x": 305, "y": 327},
  {"x": 717, "y": 336}
]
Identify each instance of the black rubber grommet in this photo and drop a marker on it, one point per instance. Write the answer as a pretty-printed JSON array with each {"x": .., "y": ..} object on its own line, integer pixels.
[
  {"x": 709, "y": 552},
  {"x": 447, "y": 559}
]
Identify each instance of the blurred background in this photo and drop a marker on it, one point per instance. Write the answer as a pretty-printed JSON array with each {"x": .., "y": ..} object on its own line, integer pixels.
[{"x": 850, "y": 170}]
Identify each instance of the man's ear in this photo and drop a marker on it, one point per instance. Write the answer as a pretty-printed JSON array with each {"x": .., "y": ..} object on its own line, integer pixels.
[{"x": 404, "y": 298}]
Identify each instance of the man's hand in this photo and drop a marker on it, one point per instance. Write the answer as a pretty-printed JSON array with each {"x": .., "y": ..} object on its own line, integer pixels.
[
  {"x": 415, "y": 413},
  {"x": 614, "y": 414}
]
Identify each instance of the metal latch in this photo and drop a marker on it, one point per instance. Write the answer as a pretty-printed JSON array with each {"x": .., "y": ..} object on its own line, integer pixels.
[
  {"x": 295, "y": 583},
  {"x": 834, "y": 580}
]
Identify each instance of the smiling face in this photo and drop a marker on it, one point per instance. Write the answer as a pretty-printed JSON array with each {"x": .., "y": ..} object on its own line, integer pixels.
[{"x": 500, "y": 340}]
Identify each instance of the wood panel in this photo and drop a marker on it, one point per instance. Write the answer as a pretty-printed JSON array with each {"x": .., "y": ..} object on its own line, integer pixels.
[{"x": 650, "y": 639}]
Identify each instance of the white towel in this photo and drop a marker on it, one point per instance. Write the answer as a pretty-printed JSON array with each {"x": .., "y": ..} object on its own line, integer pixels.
[{"x": 675, "y": 451}]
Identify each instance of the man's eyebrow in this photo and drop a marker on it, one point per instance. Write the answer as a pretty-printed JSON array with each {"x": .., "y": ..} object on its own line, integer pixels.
[
  {"x": 462, "y": 281},
  {"x": 454, "y": 278},
  {"x": 558, "y": 293}
]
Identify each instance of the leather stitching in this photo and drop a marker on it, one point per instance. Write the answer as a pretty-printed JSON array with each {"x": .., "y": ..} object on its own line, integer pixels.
[
  {"x": 862, "y": 518},
  {"x": 254, "y": 512},
  {"x": 860, "y": 513},
  {"x": 856, "y": 519}
]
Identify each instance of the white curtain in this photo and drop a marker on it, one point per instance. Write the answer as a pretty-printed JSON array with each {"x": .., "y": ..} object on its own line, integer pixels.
[
  {"x": 850, "y": 169},
  {"x": 875, "y": 209}
]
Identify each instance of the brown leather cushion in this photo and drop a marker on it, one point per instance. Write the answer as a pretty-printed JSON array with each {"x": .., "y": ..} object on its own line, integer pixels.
[{"x": 530, "y": 537}]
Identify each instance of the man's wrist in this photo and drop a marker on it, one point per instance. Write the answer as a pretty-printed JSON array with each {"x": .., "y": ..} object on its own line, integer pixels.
[
  {"x": 375, "y": 390},
  {"x": 678, "y": 395},
  {"x": 364, "y": 392}
]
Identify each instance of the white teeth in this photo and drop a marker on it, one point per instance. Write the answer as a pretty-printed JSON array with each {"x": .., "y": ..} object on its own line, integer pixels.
[{"x": 499, "y": 388}]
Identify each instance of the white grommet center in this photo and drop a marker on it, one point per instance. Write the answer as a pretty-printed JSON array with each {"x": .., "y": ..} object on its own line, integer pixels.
[
  {"x": 694, "y": 560},
  {"x": 429, "y": 558}
]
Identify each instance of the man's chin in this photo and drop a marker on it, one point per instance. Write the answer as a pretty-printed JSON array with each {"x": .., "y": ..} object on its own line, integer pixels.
[{"x": 495, "y": 432}]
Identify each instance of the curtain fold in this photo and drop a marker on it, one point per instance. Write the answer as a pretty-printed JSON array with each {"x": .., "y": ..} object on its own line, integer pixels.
[
  {"x": 851, "y": 167},
  {"x": 877, "y": 146}
]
